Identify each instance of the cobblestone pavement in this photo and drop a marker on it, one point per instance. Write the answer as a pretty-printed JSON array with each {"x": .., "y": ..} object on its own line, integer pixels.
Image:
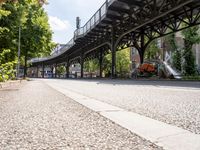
[
  {"x": 173, "y": 102},
  {"x": 35, "y": 116}
]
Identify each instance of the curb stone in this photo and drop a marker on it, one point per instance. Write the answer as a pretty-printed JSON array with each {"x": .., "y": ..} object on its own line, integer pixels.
[{"x": 9, "y": 83}]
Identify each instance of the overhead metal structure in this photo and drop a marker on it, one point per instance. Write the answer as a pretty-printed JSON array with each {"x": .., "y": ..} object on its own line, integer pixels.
[{"x": 122, "y": 23}]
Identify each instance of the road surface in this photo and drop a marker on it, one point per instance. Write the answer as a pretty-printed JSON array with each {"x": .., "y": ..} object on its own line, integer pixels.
[{"x": 172, "y": 102}]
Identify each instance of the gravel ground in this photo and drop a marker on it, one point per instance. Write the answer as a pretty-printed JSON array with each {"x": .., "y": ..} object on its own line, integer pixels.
[
  {"x": 34, "y": 116},
  {"x": 176, "y": 103}
]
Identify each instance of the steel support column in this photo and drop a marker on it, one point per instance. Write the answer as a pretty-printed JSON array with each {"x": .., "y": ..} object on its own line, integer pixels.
[
  {"x": 37, "y": 71},
  {"x": 56, "y": 70},
  {"x": 52, "y": 71},
  {"x": 100, "y": 63},
  {"x": 42, "y": 70},
  {"x": 142, "y": 48},
  {"x": 113, "y": 51},
  {"x": 67, "y": 68},
  {"x": 82, "y": 64}
]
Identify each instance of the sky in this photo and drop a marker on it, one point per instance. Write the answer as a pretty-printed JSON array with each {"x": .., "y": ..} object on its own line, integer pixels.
[{"x": 62, "y": 16}]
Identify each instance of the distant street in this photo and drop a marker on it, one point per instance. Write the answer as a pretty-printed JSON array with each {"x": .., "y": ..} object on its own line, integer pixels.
[{"x": 173, "y": 102}]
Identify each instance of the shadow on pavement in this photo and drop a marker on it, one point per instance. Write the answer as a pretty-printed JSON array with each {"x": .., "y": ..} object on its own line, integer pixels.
[{"x": 115, "y": 82}]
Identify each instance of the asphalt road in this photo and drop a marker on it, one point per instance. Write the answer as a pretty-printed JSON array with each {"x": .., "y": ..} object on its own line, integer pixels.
[{"x": 172, "y": 102}]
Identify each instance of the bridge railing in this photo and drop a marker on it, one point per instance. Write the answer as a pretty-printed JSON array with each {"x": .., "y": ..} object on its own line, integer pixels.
[
  {"x": 94, "y": 20},
  {"x": 37, "y": 60}
]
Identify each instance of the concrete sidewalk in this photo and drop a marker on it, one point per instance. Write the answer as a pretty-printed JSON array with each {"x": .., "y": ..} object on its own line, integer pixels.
[{"x": 36, "y": 116}]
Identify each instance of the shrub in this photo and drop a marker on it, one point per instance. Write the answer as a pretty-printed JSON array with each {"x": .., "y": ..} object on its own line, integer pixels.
[
  {"x": 195, "y": 78},
  {"x": 7, "y": 71}
]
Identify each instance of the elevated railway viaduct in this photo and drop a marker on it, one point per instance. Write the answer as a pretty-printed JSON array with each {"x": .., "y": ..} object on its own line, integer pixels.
[{"x": 123, "y": 23}]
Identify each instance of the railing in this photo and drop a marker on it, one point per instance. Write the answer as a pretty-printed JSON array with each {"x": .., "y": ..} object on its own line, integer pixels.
[
  {"x": 95, "y": 19},
  {"x": 37, "y": 59},
  {"x": 61, "y": 51}
]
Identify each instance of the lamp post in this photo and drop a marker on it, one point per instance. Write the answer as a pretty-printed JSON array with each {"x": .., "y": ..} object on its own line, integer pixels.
[{"x": 19, "y": 52}]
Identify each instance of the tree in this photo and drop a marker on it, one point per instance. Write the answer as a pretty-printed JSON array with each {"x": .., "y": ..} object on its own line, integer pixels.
[
  {"x": 176, "y": 52},
  {"x": 152, "y": 50},
  {"x": 91, "y": 65},
  {"x": 9, "y": 36},
  {"x": 106, "y": 66},
  {"x": 36, "y": 36},
  {"x": 6, "y": 63},
  {"x": 176, "y": 57},
  {"x": 60, "y": 70},
  {"x": 123, "y": 62},
  {"x": 191, "y": 37}
]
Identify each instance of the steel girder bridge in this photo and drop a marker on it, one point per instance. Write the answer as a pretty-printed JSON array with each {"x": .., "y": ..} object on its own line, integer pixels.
[{"x": 123, "y": 23}]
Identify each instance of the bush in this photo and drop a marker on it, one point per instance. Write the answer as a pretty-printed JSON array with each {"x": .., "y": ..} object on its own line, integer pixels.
[
  {"x": 7, "y": 71},
  {"x": 195, "y": 78},
  {"x": 1, "y": 79}
]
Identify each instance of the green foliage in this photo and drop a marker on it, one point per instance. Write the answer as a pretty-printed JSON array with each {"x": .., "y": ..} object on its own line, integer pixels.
[
  {"x": 192, "y": 37},
  {"x": 172, "y": 42},
  {"x": 60, "y": 70},
  {"x": 123, "y": 62},
  {"x": 91, "y": 65},
  {"x": 4, "y": 13},
  {"x": 36, "y": 33},
  {"x": 152, "y": 51},
  {"x": 195, "y": 78},
  {"x": 6, "y": 68},
  {"x": 176, "y": 56},
  {"x": 176, "y": 53},
  {"x": 36, "y": 36},
  {"x": 6, "y": 65},
  {"x": 189, "y": 67},
  {"x": 107, "y": 63}
]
